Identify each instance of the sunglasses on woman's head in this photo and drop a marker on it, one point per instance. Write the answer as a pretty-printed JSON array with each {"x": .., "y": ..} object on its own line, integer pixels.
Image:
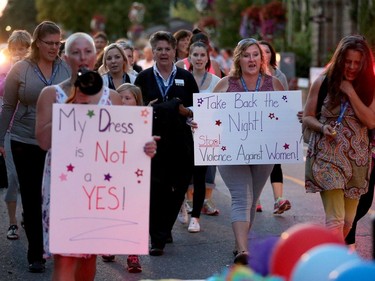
[{"x": 247, "y": 40}]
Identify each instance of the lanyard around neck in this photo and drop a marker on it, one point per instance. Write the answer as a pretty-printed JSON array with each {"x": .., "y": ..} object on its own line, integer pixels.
[
  {"x": 203, "y": 79},
  {"x": 164, "y": 89},
  {"x": 41, "y": 76},
  {"x": 343, "y": 108},
  {"x": 257, "y": 85}
]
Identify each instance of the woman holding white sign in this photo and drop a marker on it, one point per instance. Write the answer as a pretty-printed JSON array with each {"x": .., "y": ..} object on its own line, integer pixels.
[
  {"x": 81, "y": 56},
  {"x": 199, "y": 195},
  {"x": 246, "y": 182}
]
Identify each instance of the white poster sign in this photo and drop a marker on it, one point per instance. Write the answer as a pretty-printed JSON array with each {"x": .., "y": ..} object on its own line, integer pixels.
[
  {"x": 100, "y": 179},
  {"x": 247, "y": 128}
]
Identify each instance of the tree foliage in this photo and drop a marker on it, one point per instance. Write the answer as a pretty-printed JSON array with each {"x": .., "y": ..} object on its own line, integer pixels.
[
  {"x": 76, "y": 15},
  {"x": 364, "y": 16},
  {"x": 18, "y": 14},
  {"x": 229, "y": 18}
]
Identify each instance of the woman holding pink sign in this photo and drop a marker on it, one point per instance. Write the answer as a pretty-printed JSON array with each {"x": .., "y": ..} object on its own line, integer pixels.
[
  {"x": 246, "y": 182},
  {"x": 81, "y": 56}
]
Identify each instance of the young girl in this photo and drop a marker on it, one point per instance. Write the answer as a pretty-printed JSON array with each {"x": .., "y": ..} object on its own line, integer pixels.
[{"x": 130, "y": 95}]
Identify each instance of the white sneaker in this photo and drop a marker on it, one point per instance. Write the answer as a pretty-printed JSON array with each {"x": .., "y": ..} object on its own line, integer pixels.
[
  {"x": 183, "y": 215},
  {"x": 194, "y": 225}
]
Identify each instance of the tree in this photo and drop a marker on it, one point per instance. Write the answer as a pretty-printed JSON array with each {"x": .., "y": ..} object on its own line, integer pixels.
[
  {"x": 228, "y": 14},
  {"x": 76, "y": 15},
  {"x": 14, "y": 15},
  {"x": 363, "y": 13}
]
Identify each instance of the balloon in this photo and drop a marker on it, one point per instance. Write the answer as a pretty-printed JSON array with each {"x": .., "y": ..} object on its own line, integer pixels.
[
  {"x": 260, "y": 254},
  {"x": 355, "y": 270},
  {"x": 296, "y": 241},
  {"x": 317, "y": 263}
]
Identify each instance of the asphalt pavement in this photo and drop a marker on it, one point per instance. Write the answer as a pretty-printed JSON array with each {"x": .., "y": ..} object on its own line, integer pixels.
[{"x": 194, "y": 256}]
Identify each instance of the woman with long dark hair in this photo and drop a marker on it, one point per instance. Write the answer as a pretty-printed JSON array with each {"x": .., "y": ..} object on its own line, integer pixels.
[{"x": 339, "y": 155}]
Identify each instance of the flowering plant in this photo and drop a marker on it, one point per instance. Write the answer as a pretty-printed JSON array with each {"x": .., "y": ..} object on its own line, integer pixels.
[
  {"x": 274, "y": 10},
  {"x": 264, "y": 20}
]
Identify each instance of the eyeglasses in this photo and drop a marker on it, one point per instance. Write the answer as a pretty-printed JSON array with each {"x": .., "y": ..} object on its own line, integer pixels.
[
  {"x": 51, "y": 43},
  {"x": 246, "y": 40}
]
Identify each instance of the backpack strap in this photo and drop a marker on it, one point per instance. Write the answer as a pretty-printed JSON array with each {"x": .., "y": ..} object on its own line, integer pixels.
[{"x": 321, "y": 96}]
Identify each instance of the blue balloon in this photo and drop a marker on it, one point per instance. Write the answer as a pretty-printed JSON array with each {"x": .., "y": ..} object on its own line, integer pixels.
[
  {"x": 260, "y": 253},
  {"x": 354, "y": 270},
  {"x": 317, "y": 263}
]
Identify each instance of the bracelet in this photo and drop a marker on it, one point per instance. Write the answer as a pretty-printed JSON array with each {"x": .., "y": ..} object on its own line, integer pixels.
[{"x": 322, "y": 129}]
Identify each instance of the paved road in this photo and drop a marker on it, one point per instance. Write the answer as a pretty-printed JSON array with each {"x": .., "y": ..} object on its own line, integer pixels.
[{"x": 198, "y": 255}]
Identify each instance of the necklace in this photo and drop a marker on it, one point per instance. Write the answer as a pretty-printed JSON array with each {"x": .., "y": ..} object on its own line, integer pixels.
[{"x": 257, "y": 84}]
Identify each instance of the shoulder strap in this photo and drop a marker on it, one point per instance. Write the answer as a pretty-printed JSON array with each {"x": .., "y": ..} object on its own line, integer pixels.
[{"x": 321, "y": 96}]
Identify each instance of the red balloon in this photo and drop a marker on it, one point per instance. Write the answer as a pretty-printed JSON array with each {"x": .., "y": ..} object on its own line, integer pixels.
[{"x": 296, "y": 241}]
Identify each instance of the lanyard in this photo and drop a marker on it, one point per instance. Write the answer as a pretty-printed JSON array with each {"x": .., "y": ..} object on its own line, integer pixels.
[
  {"x": 164, "y": 89},
  {"x": 257, "y": 85},
  {"x": 203, "y": 79},
  {"x": 41, "y": 76},
  {"x": 343, "y": 108}
]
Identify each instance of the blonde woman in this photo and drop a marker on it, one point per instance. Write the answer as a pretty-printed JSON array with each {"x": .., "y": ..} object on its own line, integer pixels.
[{"x": 116, "y": 66}]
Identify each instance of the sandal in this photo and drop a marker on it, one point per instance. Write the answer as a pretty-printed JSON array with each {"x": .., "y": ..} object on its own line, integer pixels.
[{"x": 242, "y": 258}]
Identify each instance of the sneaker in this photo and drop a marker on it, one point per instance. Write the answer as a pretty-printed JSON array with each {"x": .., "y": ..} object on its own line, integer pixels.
[
  {"x": 183, "y": 215},
  {"x": 281, "y": 205},
  {"x": 108, "y": 258},
  {"x": 194, "y": 225},
  {"x": 133, "y": 263},
  {"x": 209, "y": 208},
  {"x": 189, "y": 206},
  {"x": 12, "y": 232},
  {"x": 259, "y": 208}
]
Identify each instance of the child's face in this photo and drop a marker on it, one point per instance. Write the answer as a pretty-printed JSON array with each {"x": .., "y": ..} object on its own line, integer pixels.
[
  {"x": 128, "y": 98},
  {"x": 18, "y": 51}
]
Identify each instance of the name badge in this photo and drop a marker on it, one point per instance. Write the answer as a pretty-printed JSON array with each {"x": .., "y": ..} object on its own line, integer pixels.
[{"x": 179, "y": 82}]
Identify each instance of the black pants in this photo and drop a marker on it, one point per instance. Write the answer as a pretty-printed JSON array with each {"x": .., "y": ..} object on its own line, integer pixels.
[
  {"x": 276, "y": 174},
  {"x": 29, "y": 163},
  {"x": 169, "y": 183},
  {"x": 364, "y": 205},
  {"x": 199, "y": 182}
]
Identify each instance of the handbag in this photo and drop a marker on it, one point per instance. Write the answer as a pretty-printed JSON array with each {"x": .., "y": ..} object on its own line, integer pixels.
[{"x": 306, "y": 131}]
